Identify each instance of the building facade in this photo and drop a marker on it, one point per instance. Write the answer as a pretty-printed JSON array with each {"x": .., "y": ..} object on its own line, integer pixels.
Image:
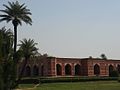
[{"x": 53, "y": 66}]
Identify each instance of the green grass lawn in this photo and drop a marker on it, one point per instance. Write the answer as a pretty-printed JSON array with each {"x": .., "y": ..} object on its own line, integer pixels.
[{"x": 98, "y": 85}]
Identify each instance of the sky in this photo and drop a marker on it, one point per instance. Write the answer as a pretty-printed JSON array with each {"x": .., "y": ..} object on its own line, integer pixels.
[{"x": 72, "y": 28}]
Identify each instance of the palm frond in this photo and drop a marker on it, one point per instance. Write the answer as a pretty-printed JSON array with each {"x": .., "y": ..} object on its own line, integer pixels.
[
  {"x": 5, "y": 11},
  {"x": 26, "y": 19},
  {"x": 28, "y": 47},
  {"x": 7, "y": 8},
  {"x": 5, "y": 19}
]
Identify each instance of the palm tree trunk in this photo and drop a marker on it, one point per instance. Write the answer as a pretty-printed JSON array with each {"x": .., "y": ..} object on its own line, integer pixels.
[
  {"x": 14, "y": 54},
  {"x": 15, "y": 24},
  {"x": 21, "y": 73},
  {"x": 15, "y": 41}
]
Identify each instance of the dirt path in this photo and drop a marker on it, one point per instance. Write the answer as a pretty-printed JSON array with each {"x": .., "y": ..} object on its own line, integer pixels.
[{"x": 29, "y": 88}]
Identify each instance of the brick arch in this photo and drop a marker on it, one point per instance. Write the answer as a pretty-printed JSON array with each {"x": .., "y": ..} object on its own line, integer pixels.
[
  {"x": 68, "y": 63},
  {"x": 27, "y": 71},
  {"x": 97, "y": 64},
  {"x": 96, "y": 70},
  {"x": 68, "y": 70},
  {"x": 77, "y": 64},
  {"x": 77, "y": 69},
  {"x": 58, "y": 69},
  {"x": 111, "y": 68},
  {"x": 35, "y": 70}
]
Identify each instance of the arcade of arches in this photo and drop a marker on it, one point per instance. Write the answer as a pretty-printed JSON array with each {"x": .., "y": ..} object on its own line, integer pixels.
[{"x": 52, "y": 66}]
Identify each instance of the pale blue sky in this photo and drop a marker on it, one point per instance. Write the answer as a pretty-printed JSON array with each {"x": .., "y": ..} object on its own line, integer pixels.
[{"x": 73, "y": 28}]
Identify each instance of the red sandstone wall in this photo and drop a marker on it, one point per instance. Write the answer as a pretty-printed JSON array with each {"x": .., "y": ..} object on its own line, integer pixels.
[
  {"x": 102, "y": 64},
  {"x": 87, "y": 65},
  {"x": 71, "y": 61}
]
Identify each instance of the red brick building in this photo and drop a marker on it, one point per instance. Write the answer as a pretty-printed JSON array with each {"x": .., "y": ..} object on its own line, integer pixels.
[{"x": 53, "y": 66}]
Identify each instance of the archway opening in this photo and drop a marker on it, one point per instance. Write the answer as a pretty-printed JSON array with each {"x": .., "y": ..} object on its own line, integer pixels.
[
  {"x": 118, "y": 69},
  {"x": 77, "y": 69},
  {"x": 111, "y": 68},
  {"x": 35, "y": 70},
  {"x": 96, "y": 70},
  {"x": 59, "y": 69},
  {"x": 67, "y": 69},
  {"x": 42, "y": 70},
  {"x": 27, "y": 71}
]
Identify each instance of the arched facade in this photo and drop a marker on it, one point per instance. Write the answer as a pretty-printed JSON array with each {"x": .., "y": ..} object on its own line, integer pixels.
[{"x": 52, "y": 66}]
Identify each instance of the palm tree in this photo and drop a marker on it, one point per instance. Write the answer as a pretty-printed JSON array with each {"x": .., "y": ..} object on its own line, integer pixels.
[
  {"x": 6, "y": 42},
  {"x": 6, "y": 63},
  {"x": 28, "y": 49},
  {"x": 16, "y": 13}
]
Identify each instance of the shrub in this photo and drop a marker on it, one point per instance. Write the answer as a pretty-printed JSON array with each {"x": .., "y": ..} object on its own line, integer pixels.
[
  {"x": 29, "y": 81},
  {"x": 114, "y": 74}
]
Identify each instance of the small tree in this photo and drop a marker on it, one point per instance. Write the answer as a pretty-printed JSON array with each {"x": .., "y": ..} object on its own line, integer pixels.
[
  {"x": 28, "y": 49},
  {"x": 114, "y": 73},
  {"x": 103, "y": 56}
]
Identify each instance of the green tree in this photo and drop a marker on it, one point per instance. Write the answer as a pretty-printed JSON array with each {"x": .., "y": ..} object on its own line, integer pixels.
[
  {"x": 16, "y": 13},
  {"x": 6, "y": 61},
  {"x": 28, "y": 49},
  {"x": 6, "y": 42},
  {"x": 103, "y": 56}
]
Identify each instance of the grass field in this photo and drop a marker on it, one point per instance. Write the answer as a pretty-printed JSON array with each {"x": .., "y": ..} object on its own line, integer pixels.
[{"x": 99, "y": 85}]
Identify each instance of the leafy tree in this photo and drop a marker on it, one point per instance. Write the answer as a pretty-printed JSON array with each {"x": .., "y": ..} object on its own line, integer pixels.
[
  {"x": 6, "y": 43},
  {"x": 103, "y": 56},
  {"x": 16, "y": 13},
  {"x": 28, "y": 49},
  {"x": 7, "y": 70}
]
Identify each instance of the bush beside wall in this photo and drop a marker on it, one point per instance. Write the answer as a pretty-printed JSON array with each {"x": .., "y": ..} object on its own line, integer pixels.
[
  {"x": 77, "y": 79},
  {"x": 66, "y": 79}
]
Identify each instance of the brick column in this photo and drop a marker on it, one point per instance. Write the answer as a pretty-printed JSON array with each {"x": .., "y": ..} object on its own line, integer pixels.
[
  {"x": 72, "y": 69},
  {"x": 63, "y": 69},
  {"x": 53, "y": 68},
  {"x": 107, "y": 70}
]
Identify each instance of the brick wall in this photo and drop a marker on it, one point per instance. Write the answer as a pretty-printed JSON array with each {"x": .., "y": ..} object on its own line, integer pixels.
[{"x": 48, "y": 66}]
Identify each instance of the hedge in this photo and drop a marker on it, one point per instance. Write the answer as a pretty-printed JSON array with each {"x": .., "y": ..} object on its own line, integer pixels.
[
  {"x": 66, "y": 79},
  {"x": 29, "y": 81},
  {"x": 77, "y": 79}
]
